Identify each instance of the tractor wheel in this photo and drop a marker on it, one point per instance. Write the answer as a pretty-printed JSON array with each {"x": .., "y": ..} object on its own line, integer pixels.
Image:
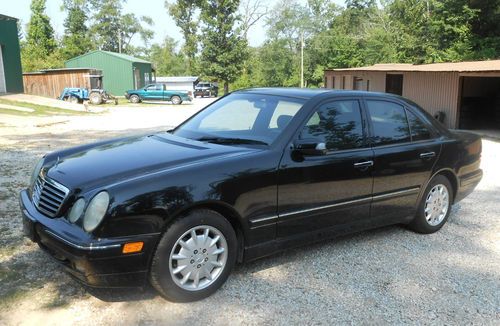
[
  {"x": 95, "y": 98},
  {"x": 73, "y": 99}
]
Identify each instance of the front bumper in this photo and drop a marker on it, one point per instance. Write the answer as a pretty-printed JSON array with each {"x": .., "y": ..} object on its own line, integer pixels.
[{"x": 95, "y": 262}]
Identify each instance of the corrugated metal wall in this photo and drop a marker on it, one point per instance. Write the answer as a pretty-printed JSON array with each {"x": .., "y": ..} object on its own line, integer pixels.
[
  {"x": 11, "y": 57},
  {"x": 51, "y": 84},
  {"x": 434, "y": 91},
  {"x": 117, "y": 72}
]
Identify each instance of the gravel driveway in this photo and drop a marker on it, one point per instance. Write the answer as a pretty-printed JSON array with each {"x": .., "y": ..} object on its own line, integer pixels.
[{"x": 389, "y": 275}]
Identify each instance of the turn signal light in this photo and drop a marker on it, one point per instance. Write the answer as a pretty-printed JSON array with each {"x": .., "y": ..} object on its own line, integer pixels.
[{"x": 132, "y": 247}]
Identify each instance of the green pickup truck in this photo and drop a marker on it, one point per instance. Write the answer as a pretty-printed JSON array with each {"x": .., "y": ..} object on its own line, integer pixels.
[{"x": 158, "y": 92}]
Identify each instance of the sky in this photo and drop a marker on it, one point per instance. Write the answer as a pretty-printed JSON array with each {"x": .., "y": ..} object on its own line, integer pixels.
[{"x": 164, "y": 25}]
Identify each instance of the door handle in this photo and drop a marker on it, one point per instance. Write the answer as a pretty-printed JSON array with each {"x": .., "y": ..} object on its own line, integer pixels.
[
  {"x": 427, "y": 155},
  {"x": 365, "y": 164}
]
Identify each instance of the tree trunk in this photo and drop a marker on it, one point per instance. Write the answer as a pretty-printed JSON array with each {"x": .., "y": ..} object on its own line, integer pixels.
[{"x": 226, "y": 87}]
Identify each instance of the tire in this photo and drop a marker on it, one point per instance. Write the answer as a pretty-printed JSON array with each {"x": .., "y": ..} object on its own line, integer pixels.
[
  {"x": 134, "y": 99},
  {"x": 438, "y": 210},
  {"x": 95, "y": 98},
  {"x": 176, "y": 100},
  {"x": 167, "y": 274},
  {"x": 74, "y": 100}
]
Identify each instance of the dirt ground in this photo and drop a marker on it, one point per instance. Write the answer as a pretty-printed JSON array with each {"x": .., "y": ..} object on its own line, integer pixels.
[{"x": 389, "y": 275}]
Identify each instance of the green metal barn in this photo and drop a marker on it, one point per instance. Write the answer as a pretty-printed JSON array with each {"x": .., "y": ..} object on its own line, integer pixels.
[
  {"x": 11, "y": 75},
  {"x": 121, "y": 72}
]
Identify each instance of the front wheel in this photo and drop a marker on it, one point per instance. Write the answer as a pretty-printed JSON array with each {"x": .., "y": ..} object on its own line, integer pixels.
[
  {"x": 435, "y": 206},
  {"x": 194, "y": 257},
  {"x": 176, "y": 100}
]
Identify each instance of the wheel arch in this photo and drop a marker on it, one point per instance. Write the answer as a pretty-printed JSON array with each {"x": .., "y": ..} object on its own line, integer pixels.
[
  {"x": 448, "y": 174},
  {"x": 227, "y": 211}
]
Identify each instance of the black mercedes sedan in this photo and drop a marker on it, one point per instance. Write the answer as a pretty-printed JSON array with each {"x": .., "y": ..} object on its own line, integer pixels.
[{"x": 258, "y": 171}]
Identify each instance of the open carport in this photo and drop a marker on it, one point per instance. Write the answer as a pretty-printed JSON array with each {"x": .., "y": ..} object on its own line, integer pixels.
[{"x": 479, "y": 102}]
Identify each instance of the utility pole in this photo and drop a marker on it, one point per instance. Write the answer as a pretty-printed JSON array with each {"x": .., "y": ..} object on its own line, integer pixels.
[{"x": 302, "y": 60}]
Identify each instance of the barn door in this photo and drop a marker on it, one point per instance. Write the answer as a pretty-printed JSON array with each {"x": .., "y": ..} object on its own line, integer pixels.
[
  {"x": 137, "y": 79},
  {"x": 3, "y": 87}
]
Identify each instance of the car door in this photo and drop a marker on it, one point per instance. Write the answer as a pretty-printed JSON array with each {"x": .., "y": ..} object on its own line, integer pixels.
[
  {"x": 319, "y": 192},
  {"x": 153, "y": 92},
  {"x": 405, "y": 151}
]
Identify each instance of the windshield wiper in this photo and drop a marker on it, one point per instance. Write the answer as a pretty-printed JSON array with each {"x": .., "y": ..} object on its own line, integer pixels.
[{"x": 235, "y": 141}]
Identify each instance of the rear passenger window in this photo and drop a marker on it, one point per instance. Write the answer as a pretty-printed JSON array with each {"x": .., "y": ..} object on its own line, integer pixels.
[
  {"x": 419, "y": 130},
  {"x": 338, "y": 124},
  {"x": 389, "y": 123}
]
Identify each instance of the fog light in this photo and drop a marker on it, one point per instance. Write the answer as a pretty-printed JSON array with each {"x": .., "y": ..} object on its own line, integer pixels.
[{"x": 132, "y": 247}]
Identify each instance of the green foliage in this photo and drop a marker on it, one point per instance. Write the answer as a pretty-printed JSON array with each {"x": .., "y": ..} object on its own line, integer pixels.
[
  {"x": 113, "y": 31},
  {"x": 76, "y": 40},
  {"x": 215, "y": 46},
  {"x": 184, "y": 13},
  {"x": 166, "y": 59},
  {"x": 39, "y": 49},
  {"x": 224, "y": 50}
]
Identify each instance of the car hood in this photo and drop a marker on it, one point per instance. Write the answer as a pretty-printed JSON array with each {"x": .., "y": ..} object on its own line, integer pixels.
[{"x": 108, "y": 162}]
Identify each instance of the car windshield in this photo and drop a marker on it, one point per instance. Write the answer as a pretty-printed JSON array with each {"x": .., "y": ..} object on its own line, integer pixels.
[{"x": 242, "y": 118}]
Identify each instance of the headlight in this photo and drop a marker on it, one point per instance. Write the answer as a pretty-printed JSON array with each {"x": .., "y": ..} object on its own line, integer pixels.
[
  {"x": 36, "y": 172},
  {"x": 95, "y": 211},
  {"x": 77, "y": 210}
]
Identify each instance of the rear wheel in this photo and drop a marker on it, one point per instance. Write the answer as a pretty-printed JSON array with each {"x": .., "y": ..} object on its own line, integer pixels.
[
  {"x": 134, "y": 99},
  {"x": 95, "y": 98},
  {"x": 435, "y": 206},
  {"x": 194, "y": 256},
  {"x": 176, "y": 100}
]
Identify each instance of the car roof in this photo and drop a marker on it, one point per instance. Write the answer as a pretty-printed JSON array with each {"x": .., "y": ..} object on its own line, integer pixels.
[{"x": 308, "y": 93}]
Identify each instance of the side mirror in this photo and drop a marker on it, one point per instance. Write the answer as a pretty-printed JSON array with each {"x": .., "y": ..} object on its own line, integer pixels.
[{"x": 310, "y": 147}]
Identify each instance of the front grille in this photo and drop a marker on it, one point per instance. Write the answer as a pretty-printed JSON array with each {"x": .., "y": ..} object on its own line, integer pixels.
[{"x": 48, "y": 195}]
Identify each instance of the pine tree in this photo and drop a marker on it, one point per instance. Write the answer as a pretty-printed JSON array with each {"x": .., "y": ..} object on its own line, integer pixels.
[
  {"x": 39, "y": 49},
  {"x": 76, "y": 39},
  {"x": 184, "y": 13},
  {"x": 224, "y": 50}
]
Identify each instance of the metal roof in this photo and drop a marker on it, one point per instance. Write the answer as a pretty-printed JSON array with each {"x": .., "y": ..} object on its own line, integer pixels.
[
  {"x": 466, "y": 66},
  {"x": 5, "y": 17},
  {"x": 114, "y": 54},
  {"x": 179, "y": 79},
  {"x": 44, "y": 71}
]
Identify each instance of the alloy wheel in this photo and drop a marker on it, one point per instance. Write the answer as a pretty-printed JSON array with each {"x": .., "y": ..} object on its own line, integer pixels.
[
  {"x": 198, "y": 258},
  {"x": 436, "y": 204}
]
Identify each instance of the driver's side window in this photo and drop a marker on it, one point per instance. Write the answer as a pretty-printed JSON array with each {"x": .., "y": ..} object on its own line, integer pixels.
[{"x": 338, "y": 124}]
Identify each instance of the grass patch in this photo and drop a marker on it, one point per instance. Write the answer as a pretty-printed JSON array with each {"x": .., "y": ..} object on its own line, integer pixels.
[
  {"x": 11, "y": 297},
  {"x": 57, "y": 302},
  {"x": 39, "y": 110}
]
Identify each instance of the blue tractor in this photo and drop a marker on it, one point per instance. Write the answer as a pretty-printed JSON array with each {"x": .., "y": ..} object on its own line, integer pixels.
[{"x": 78, "y": 95}]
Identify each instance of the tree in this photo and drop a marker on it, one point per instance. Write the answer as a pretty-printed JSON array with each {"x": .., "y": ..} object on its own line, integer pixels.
[
  {"x": 113, "y": 31},
  {"x": 251, "y": 12},
  {"x": 39, "y": 49},
  {"x": 224, "y": 50},
  {"x": 166, "y": 59},
  {"x": 432, "y": 30},
  {"x": 76, "y": 40},
  {"x": 184, "y": 13}
]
